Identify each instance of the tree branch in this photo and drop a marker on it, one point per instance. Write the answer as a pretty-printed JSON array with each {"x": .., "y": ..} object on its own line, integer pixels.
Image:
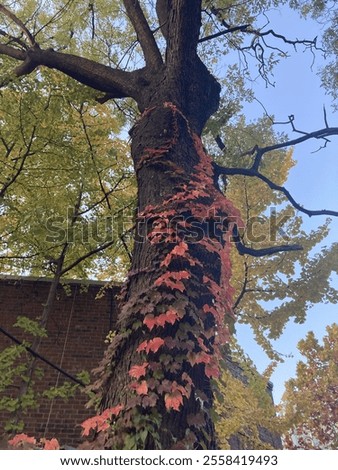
[
  {"x": 244, "y": 289},
  {"x": 12, "y": 52},
  {"x": 86, "y": 255},
  {"x": 117, "y": 83},
  {"x": 244, "y": 27},
  {"x": 320, "y": 134},
  {"x": 43, "y": 359},
  {"x": 144, "y": 34},
  {"x": 11, "y": 180},
  {"x": 260, "y": 151},
  {"x": 245, "y": 250},
  {"x": 19, "y": 23},
  {"x": 220, "y": 170}
]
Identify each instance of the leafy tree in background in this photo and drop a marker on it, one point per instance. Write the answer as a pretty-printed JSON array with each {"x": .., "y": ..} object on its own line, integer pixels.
[
  {"x": 155, "y": 383},
  {"x": 310, "y": 401},
  {"x": 62, "y": 199}
]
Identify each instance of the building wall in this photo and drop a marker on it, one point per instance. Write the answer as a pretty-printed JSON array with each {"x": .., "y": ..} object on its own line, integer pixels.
[{"x": 77, "y": 329}]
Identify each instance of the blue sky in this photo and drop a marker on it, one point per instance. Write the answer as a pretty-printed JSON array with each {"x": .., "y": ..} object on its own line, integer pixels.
[{"x": 313, "y": 181}]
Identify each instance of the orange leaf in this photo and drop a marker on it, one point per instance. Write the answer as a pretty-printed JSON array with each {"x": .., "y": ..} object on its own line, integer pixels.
[
  {"x": 150, "y": 321},
  {"x": 172, "y": 279},
  {"x": 141, "y": 388},
  {"x": 202, "y": 358},
  {"x": 19, "y": 438},
  {"x": 99, "y": 422},
  {"x": 88, "y": 425},
  {"x": 173, "y": 400},
  {"x": 52, "y": 444},
  {"x": 155, "y": 344},
  {"x": 138, "y": 371},
  {"x": 170, "y": 316},
  {"x": 180, "y": 249},
  {"x": 160, "y": 320},
  {"x": 142, "y": 346},
  {"x": 151, "y": 346}
]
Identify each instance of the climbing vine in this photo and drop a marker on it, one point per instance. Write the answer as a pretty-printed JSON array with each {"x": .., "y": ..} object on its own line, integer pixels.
[{"x": 181, "y": 325}]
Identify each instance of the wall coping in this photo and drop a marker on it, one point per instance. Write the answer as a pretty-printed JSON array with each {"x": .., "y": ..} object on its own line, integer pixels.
[{"x": 85, "y": 282}]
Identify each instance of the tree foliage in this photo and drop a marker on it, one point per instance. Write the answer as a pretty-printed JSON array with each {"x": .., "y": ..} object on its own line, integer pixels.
[
  {"x": 71, "y": 184},
  {"x": 310, "y": 401},
  {"x": 245, "y": 413}
]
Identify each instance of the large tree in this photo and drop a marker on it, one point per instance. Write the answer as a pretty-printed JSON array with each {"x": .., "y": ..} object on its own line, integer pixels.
[{"x": 155, "y": 382}]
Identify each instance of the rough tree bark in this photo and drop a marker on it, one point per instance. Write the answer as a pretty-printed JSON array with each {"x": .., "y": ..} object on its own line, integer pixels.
[{"x": 171, "y": 389}]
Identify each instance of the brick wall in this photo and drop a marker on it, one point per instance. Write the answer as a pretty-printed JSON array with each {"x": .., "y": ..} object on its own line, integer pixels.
[{"x": 76, "y": 328}]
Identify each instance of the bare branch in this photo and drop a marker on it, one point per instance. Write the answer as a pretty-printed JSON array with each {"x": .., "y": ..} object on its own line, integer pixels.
[
  {"x": 125, "y": 246},
  {"x": 13, "y": 39},
  {"x": 245, "y": 250},
  {"x": 244, "y": 289},
  {"x": 325, "y": 117},
  {"x": 219, "y": 170},
  {"x": 19, "y": 23},
  {"x": 12, "y": 52},
  {"x": 260, "y": 151},
  {"x": 320, "y": 134},
  {"x": 11, "y": 180},
  {"x": 312, "y": 43},
  {"x": 93, "y": 155},
  {"x": 87, "y": 255},
  {"x": 144, "y": 34},
  {"x": 244, "y": 27}
]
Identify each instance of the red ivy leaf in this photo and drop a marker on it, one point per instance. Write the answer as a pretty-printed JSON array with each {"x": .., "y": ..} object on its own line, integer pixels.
[
  {"x": 52, "y": 444},
  {"x": 210, "y": 309},
  {"x": 155, "y": 344},
  {"x": 198, "y": 358},
  {"x": 88, "y": 425},
  {"x": 170, "y": 316},
  {"x": 173, "y": 279},
  {"x": 20, "y": 438},
  {"x": 150, "y": 346},
  {"x": 141, "y": 388},
  {"x": 173, "y": 400},
  {"x": 142, "y": 346},
  {"x": 138, "y": 371},
  {"x": 150, "y": 321},
  {"x": 99, "y": 422},
  {"x": 180, "y": 249},
  {"x": 187, "y": 378}
]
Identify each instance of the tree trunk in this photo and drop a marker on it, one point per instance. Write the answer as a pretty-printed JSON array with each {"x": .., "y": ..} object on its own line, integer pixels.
[{"x": 157, "y": 373}]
